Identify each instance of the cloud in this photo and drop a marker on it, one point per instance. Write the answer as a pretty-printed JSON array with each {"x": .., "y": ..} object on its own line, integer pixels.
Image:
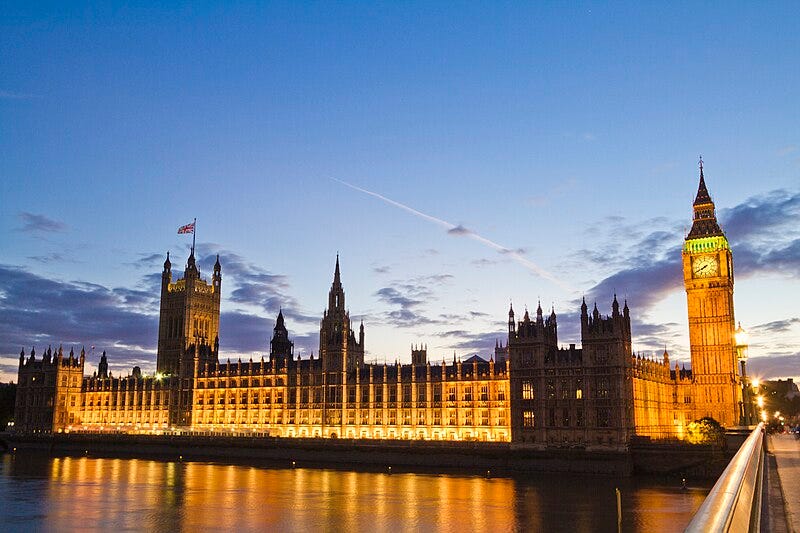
[
  {"x": 480, "y": 263},
  {"x": 33, "y": 223},
  {"x": 40, "y": 311},
  {"x": 10, "y": 95},
  {"x": 410, "y": 296},
  {"x": 764, "y": 232},
  {"x": 36, "y": 311},
  {"x": 253, "y": 285},
  {"x": 777, "y": 326},
  {"x": 53, "y": 257},
  {"x": 148, "y": 260},
  {"x": 459, "y": 230},
  {"x": 774, "y": 367}
]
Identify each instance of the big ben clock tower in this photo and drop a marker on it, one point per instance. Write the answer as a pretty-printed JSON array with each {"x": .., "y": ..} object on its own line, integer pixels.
[{"x": 708, "y": 277}]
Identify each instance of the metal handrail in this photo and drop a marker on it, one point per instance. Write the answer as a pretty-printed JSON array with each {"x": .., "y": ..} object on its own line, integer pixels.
[{"x": 734, "y": 504}]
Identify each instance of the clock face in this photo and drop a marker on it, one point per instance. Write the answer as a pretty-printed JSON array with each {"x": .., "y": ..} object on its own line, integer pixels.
[{"x": 705, "y": 266}]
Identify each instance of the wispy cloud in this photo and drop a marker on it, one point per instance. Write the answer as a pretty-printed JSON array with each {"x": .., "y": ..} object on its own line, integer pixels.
[
  {"x": 33, "y": 223},
  {"x": 10, "y": 95},
  {"x": 411, "y": 296},
  {"x": 459, "y": 230}
]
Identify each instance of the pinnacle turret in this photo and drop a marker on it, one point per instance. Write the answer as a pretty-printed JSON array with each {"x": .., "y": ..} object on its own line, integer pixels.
[{"x": 705, "y": 219}]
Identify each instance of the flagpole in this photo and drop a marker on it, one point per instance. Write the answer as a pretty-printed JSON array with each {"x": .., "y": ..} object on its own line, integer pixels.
[{"x": 194, "y": 233}]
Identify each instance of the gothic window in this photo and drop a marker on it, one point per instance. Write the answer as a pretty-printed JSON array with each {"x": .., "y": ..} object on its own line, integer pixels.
[
  {"x": 527, "y": 419},
  {"x": 437, "y": 392},
  {"x": 379, "y": 394},
  {"x": 407, "y": 394},
  {"x": 484, "y": 417},
  {"x": 484, "y": 393},
  {"x": 551, "y": 390},
  {"x": 551, "y": 415},
  {"x": 468, "y": 393},
  {"x": 602, "y": 388},
  {"x": 578, "y": 389},
  {"x": 579, "y": 418},
  {"x": 364, "y": 394},
  {"x": 527, "y": 390},
  {"x": 564, "y": 390},
  {"x": 451, "y": 394},
  {"x": 421, "y": 393},
  {"x": 603, "y": 417},
  {"x": 565, "y": 417}
]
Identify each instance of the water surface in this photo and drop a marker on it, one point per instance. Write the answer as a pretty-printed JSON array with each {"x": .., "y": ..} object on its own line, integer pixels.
[{"x": 43, "y": 493}]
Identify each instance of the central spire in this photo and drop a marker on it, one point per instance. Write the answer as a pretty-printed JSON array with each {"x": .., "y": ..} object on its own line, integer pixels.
[{"x": 336, "y": 294}]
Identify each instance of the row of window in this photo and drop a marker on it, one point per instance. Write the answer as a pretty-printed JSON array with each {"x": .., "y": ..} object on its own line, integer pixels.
[
  {"x": 603, "y": 418},
  {"x": 568, "y": 389},
  {"x": 405, "y": 418}
]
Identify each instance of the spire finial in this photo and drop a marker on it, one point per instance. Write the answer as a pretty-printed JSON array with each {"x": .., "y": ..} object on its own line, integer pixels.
[{"x": 701, "y": 163}]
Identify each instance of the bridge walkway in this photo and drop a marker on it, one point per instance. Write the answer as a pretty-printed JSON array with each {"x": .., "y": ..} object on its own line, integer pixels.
[{"x": 786, "y": 450}]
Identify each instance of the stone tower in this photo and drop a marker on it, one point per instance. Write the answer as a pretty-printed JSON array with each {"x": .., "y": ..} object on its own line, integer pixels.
[
  {"x": 708, "y": 277},
  {"x": 281, "y": 349},
  {"x": 338, "y": 347},
  {"x": 189, "y": 319}
]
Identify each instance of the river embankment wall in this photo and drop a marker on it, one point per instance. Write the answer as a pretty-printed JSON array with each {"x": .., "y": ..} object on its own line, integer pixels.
[{"x": 478, "y": 457}]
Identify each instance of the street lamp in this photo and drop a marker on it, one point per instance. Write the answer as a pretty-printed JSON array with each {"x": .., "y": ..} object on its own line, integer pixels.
[{"x": 740, "y": 336}]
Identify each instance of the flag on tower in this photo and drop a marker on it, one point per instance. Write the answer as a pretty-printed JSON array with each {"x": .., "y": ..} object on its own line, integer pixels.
[{"x": 188, "y": 228}]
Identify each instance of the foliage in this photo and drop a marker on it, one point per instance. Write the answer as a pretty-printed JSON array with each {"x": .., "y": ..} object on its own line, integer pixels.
[{"x": 705, "y": 431}]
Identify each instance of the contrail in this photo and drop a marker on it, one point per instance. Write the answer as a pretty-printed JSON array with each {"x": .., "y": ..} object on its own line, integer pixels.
[{"x": 461, "y": 230}]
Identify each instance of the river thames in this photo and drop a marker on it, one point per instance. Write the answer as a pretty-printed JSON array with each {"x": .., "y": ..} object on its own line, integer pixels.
[{"x": 43, "y": 493}]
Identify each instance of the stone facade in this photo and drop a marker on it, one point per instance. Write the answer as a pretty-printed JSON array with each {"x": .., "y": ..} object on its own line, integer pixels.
[{"x": 533, "y": 393}]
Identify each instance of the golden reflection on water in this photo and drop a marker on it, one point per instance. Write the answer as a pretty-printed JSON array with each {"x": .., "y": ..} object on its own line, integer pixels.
[{"x": 134, "y": 494}]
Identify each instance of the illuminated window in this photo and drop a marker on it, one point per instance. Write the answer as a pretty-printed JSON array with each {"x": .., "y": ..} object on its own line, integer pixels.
[
  {"x": 527, "y": 390},
  {"x": 579, "y": 394},
  {"x": 527, "y": 419}
]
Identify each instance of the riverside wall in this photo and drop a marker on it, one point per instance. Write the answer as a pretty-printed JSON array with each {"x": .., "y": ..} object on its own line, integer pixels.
[{"x": 476, "y": 457}]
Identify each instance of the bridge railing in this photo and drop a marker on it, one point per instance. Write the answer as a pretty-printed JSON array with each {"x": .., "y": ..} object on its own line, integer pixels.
[{"x": 734, "y": 504}]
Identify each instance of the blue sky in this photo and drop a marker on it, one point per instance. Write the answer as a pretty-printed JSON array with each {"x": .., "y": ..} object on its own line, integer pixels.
[{"x": 567, "y": 136}]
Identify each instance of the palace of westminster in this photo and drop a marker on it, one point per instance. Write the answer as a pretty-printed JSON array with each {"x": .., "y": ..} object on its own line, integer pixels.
[{"x": 532, "y": 393}]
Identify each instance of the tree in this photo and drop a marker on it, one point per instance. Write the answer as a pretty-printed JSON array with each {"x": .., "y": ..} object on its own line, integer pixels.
[{"x": 705, "y": 431}]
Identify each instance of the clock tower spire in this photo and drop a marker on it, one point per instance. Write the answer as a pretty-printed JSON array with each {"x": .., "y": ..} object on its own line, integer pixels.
[{"x": 708, "y": 278}]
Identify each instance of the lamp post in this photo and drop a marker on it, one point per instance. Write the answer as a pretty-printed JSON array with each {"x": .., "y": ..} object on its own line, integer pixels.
[{"x": 740, "y": 337}]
